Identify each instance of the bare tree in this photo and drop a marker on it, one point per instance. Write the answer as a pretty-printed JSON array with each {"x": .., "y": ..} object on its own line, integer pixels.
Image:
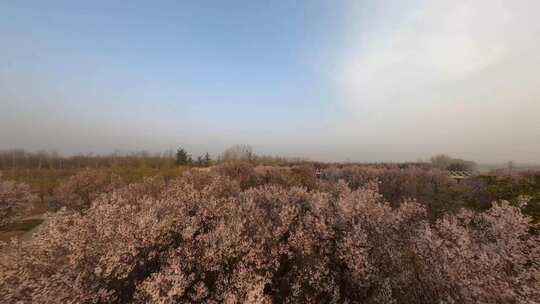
[{"x": 238, "y": 152}]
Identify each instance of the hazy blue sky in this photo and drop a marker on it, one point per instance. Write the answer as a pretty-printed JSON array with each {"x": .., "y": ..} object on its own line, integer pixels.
[{"x": 329, "y": 80}]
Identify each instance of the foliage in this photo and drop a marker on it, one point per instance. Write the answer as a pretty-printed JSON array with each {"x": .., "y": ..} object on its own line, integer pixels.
[
  {"x": 207, "y": 160},
  {"x": 80, "y": 190},
  {"x": 240, "y": 171},
  {"x": 15, "y": 200},
  {"x": 430, "y": 187},
  {"x": 445, "y": 162},
  {"x": 203, "y": 160},
  {"x": 304, "y": 176},
  {"x": 182, "y": 157},
  {"x": 239, "y": 234},
  {"x": 21, "y": 159},
  {"x": 488, "y": 188},
  {"x": 43, "y": 182},
  {"x": 238, "y": 153}
]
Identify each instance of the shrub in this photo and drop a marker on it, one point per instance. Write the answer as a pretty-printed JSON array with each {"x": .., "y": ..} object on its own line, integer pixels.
[
  {"x": 240, "y": 171},
  {"x": 297, "y": 176},
  {"x": 430, "y": 187},
  {"x": 445, "y": 162},
  {"x": 78, "y": 192},
  {"x": 487, "y": 257},
  {"x": 304, "y": 176},
  {"x": 15, "y": 200}
]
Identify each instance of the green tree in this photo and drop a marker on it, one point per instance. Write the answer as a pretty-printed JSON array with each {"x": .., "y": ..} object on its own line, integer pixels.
[{"x": 182, "y": 157}]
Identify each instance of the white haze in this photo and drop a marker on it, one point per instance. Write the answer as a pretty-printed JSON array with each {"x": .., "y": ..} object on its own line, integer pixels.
[{"x": 459, "y": 77}]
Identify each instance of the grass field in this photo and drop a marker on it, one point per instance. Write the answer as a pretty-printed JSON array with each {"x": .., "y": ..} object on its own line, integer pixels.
[{"x": 44, "y": 181}]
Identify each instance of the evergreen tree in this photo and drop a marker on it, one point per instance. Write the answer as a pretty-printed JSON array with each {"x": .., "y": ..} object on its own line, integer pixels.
[{"x": 182, "y": 157}]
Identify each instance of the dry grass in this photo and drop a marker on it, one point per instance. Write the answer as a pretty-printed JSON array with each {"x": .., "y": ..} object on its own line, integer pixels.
[
  {"x": 6, "y": 236},
  {"x": 17, "y": 229}
]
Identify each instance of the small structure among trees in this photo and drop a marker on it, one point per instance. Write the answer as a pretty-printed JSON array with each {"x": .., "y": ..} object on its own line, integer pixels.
[
  {"x": 458, "y": 169},
  {"x": 460, "y": 175}
]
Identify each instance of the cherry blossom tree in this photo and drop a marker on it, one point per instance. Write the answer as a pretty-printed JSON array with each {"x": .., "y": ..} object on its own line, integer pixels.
[
  {"x": 78, "y": 192},
  {"x": 206, "y": 238}
]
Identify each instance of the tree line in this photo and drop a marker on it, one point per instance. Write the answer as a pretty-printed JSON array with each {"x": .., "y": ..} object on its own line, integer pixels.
[{"x": 22, "y": 159}]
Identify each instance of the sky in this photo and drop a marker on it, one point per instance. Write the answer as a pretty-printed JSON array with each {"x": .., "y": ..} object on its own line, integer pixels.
[{"x": 326, "y": 80}]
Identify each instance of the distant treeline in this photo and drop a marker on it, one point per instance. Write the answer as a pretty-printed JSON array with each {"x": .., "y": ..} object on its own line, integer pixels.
[{"x": 22, "y": 159}]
